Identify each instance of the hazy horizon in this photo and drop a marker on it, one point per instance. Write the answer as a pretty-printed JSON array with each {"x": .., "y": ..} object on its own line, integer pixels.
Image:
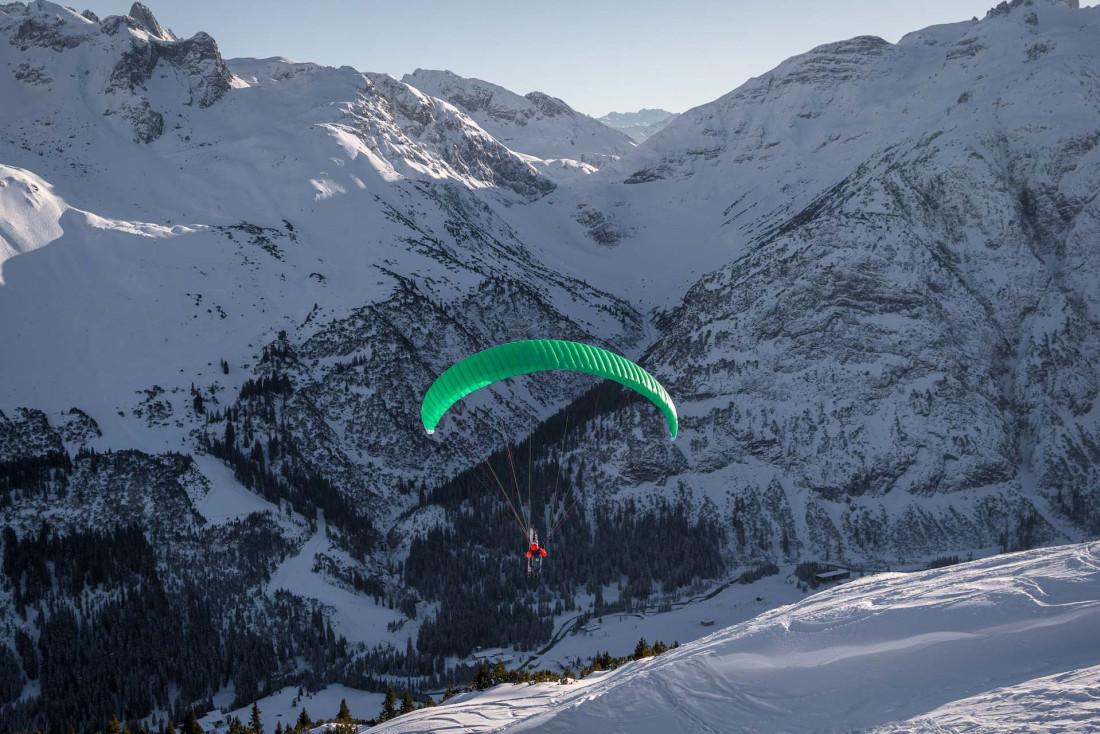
[{"x": 599, "y": 58}]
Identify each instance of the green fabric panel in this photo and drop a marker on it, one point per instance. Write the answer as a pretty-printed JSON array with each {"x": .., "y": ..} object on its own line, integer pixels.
[{"x": 539, "y": 355}]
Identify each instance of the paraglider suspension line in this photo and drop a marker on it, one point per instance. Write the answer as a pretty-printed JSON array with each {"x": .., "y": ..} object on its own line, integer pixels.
[
  {"x": 515, "y": 483},
  {"x": 530, "y": 467},
  {"x": 562, "y": 518},
  {"x": 507, "y": 499},
  {"x": 499, "y": 486},
  {"x": 561, "y": 453},
  {"x": 561, "y": 457}
]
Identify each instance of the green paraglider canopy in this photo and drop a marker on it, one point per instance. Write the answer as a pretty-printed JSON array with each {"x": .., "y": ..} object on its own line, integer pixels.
[{"x": 539, "y": 355}]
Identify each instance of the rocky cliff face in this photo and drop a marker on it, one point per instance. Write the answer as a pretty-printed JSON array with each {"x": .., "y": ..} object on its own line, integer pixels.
[{"x": 140, "y": 48}]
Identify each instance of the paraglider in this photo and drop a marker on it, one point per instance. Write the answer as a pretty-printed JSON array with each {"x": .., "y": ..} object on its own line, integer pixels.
[
  {"x": 509, "y": 360},
  {"x": 535, "y": 552},
  {"x": 539, "y": 355}
]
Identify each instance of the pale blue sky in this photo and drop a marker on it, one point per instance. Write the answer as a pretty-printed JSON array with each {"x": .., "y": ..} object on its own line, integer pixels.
[{"x": 597, "y": 55}]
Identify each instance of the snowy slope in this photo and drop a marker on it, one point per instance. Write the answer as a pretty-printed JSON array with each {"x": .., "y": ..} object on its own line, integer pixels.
[
  {"x": 699, "y": 194},
  {"x": 285, "y": 705},
  {"x": 1063, "y": 702},
  {"x": 163, "y": 215},
  {"x": 687, "y": 619},
  {"x": 997, "y": 634},
  {"x": 536, "y": 123},
  {"x": 154, "y": 260}
]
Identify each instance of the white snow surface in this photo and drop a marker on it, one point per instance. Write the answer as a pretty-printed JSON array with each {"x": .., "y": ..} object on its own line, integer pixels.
[
  {"x": 226, "y": 500},
  {"x": 120, "y": 266},
  {"x": 286, "y": 704},
  {"x": 689, "y": 619},
  {"x": 1009, "y": 643},
  {"x": 1066, "y": 702},
  {"x": 355, "y": 616}
]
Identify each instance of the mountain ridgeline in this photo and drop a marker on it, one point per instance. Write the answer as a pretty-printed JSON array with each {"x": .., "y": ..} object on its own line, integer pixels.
[{"x": 866, "y": 277}]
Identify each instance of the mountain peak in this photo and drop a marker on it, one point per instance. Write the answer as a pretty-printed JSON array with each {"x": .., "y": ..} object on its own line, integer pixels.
[
  {"x": 145, "y": 20},
  {"x": 1006, "y": 6},
  {"x": 550, "y": 106}
]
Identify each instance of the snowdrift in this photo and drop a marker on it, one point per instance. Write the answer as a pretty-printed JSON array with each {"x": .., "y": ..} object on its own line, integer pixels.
[{"x": 1007, "y": 641}]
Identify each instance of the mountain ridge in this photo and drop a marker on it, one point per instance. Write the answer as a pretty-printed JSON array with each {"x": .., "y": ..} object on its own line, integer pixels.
[
  {"x": 535, "y": 123},
  {"x": 640, "y": 125}
]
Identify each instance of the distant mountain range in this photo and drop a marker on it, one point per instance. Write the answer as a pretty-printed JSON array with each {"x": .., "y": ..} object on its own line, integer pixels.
[{"x": 640, "y": 125}]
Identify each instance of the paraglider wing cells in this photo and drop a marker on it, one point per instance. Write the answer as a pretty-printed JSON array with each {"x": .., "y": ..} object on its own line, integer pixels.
[{"x": 539, "y": 355}]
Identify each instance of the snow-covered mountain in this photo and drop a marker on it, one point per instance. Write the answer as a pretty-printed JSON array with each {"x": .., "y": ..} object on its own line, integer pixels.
[
  {"x": 535, "y": 123},
  {"x": 365, "y": 197},
  {"x": 176, "y": 234},
  {"x": 1010, "y": 643},
  {"x": 640, "y": 125},
  {"x": 896, "y": 352},
  {"x": 867, "y": 277}
]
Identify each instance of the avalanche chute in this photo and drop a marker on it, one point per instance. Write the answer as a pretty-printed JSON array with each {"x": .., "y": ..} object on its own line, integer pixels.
[{"x": 539, "y": 355}]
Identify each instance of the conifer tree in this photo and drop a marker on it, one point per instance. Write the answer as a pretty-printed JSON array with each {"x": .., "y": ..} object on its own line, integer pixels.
[
  {"x": 169, "y": 728},
  {"x": 344, "y": 714},
  {"x": 113, "y": 726},
  {"x": 450, "y": 692},
  {"x": 389, "y": 706},
  {"x": 191, "y": 723},
  {"x": 304, "y": 722},
  {"x": 255, "y": 723},
  {"x": 407, "y": 703},
  {"x": 642, "y": 649},
  {"x": 483, "y": 679}
]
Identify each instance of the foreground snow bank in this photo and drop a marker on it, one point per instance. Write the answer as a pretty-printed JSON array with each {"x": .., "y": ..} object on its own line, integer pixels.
[
  {"x": 898, "y": 651},
  {"x": 1066, "y": 702}
]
